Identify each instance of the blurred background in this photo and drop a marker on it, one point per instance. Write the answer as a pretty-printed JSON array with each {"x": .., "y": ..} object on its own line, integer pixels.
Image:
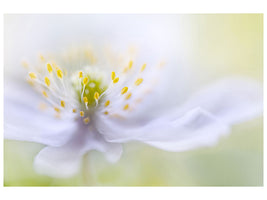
[{"x": 213, "y": 45}]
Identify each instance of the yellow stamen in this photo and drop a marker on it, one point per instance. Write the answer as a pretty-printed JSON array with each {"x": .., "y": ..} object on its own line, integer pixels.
[
  {"x": 143, "y": 67},
  {"x": 57, "y": 109},
  {"x": 113, "y": 75},
  {"x": 128, "y": 96},
  {"x": 85, "y": 99},
  {"x": 80, "y": 74},
  {"x": 86, "y": 120},
  {"x": 125, "y": 70},
  {"x": 42, "y": 57},
  {"x": 45, "y": 94},
  {"x": 126, "y": 107},
  {"x": 32, "y": 75},
  {"x": 116, "y": 80},
  {"x": 96, "y": 95},
  {"x": 106, "y": 112},
  {"x": 25, "y": 64},
  {"x": 85, "y": 80},
  {"x": 49, "y": 68},
  {"x": 62, "y": 103},
  {"x": 138, "y": 81},
  {"x": 47, "y": 81},
  {"x": 107, "y": 103},
  {"x": 74, "y": 110},
  {"x": 59, "y": 73},
  {"x": 81, "y": 113},
  {"x": 130, "y": 64},
  {"x": 42, "y": 106},
  {"x": 124, "y": 90}
]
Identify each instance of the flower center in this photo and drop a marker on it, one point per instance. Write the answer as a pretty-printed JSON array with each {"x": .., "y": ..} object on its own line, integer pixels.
[{"x": 89, "y": 87}]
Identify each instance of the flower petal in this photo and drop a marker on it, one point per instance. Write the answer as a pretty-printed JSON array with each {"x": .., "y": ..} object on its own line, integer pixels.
[
  {"x": 194, "y": 129},
  {"x": 24, "y": 121},
  {"x": 232, "y": 100},
  {"x": 65, "y": 161}
]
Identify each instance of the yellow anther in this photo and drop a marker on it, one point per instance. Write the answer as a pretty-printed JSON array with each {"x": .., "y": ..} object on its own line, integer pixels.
[
  {"x": 62, "y": 103},
  {"x": 74, "y": 110},
  {"x": 107, "y": 103},
  {"x": 59, "y": 73},
  {"x": 113, "y": 75},
  {"x": 85, "y": 99},
  {"x": 106, "y": 112},
  {"x": 25, "y": 64},
  {"x": 116, "y": 80},
  {"x": 81, "y": 113},
  {"x": 126, "y": 107},
  {"x": 125, "y": 70},
  {"x": 57, "y": 115},
  {"x": 128, "y": 96},
  {"x": 124, "y": 90},
  {"x": 42, "y": 106},
  {"x": 96, "y": 95},
  {"x": 57, "y": 109},
  {"x": 47, "y": 81},
  {"x": 86, "y": 120},
  {"x": 85, "y": 80},
  {"x": 80, "y": 74},
  {"x": 143, "y": 67},
  {"x": 42, "y": 57},
  {"x": 138, "y": 81},
  {"x": 55, "y": 66},
  {"x": 45, "y": 94},
  {"x": 32, "y": 75},
  {"x": 130, "y": 64},
  {"x": 49, "y": 68}
]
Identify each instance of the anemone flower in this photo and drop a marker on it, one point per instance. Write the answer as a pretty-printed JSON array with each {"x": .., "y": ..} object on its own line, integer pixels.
[{"x": 84, "y": 99}]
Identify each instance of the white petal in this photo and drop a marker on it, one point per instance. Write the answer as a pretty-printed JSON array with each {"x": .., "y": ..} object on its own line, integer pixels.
[
  {"x": 24, "y": 121},
  {"x": 65, "y": 161},
  {"x": 232, "y": 100},
  {"x": 196, "y": 128}
]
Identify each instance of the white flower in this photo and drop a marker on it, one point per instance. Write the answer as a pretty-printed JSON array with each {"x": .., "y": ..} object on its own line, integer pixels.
[
  {"x": 93, "y": 105},
  {"x": 135, "y": 103}
]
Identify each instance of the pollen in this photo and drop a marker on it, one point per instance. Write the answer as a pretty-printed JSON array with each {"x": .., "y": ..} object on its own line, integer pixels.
[
  {"x": 113, "y": 75},
  {"x": 45, "y": 94},
  {"x": 106, "y": 112},
  {"x": 138, "y": 81},
  {"x": 32, "y": 75},
  {"x": 85, "y": 99},
  {"x": 126, "y": 107},
  {"x": 96, "y": 96},
  {"x": 74, "y": 110},
  {"x": 143, "y": 67},
  {"x": 86, "y": 120},
  {"x": 128, "y": 96},
  {"x": 47, "y": 81},
  {"x": 57, "y": 109},
  {"x": 85, "y": 80},
  {"x": 62, "y": 103},
  {"x": 49, "y": 68},
  {"x": 80, "y": 74},
  {"x": 107, "y": 103},
  {"x": 116, "y": 80},
  {"x": 130, "y": 64},
  {"x": 81, "y": 113},
  {"x": 124, "y": 90},
  {"x": 59, "y": 74}
]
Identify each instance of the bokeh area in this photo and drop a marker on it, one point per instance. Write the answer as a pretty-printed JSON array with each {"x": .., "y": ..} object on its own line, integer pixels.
[{"x": 214, "y": 44}]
